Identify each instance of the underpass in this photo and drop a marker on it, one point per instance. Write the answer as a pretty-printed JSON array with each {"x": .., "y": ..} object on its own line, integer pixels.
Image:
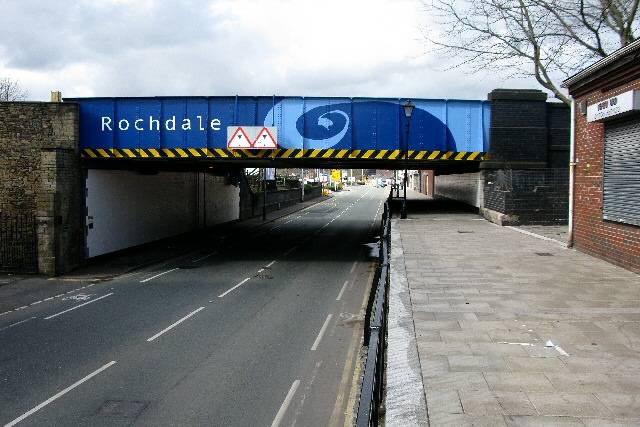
[{"x": 219, "y": 337}]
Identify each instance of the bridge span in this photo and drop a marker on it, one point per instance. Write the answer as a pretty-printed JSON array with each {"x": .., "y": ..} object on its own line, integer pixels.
[{"x": 319, "y": 132}]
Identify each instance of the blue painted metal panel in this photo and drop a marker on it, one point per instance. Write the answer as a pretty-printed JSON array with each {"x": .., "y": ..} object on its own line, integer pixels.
[
  {"x": 309, "y": 123},
  {"x": 92, "y": 134},
  {"x": 198, "y": 108},
  {"x": 326, "y": 123}
]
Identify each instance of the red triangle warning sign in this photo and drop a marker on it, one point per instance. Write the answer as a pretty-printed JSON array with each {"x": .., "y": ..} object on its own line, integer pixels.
[
  {"x": 239, "y": 139},
  {"x": 265, "y": 140}
]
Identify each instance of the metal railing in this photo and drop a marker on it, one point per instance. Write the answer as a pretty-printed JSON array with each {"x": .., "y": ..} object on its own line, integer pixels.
[
  {"x": 18, "y": 243},
  {"x": 372, "y": 388}
]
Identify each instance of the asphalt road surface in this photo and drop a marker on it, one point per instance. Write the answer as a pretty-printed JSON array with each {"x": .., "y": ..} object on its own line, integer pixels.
[{"x": 260, "y": 329}]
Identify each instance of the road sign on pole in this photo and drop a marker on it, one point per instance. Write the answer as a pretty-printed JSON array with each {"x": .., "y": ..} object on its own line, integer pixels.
[{"x": 252, "y": 137}]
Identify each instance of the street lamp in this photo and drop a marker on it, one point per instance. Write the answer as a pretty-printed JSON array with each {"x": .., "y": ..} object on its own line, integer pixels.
[{"x": 408, "y": 111}]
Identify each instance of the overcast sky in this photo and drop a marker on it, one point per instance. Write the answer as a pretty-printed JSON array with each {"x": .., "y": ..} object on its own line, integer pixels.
[{"x": 227, "y": 47}]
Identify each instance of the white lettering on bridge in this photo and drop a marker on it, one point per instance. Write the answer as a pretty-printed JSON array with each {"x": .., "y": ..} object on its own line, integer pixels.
[{"x": 154, "y": 124}]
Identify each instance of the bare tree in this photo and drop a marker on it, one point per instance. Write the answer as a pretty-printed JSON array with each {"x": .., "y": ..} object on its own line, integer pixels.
[
  {"x": 10, "y": 90},
  {"x": 546, "y": 39}
]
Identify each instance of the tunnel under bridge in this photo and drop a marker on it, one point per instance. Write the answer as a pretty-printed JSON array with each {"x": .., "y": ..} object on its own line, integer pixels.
[{"x": 311, "y": 132}]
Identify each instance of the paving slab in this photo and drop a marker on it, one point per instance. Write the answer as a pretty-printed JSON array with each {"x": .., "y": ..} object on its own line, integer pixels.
[{"x": 511, "y": 329}]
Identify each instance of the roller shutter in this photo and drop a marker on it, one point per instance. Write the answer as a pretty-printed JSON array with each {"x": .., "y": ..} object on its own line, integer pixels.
[{"x": 622, "y": 171}]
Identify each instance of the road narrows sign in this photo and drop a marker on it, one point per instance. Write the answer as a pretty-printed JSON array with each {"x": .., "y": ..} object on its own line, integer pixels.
[
  {"x": 252, "y": 137},
  {"x": 265, "y": 140},
  {"x": 239, "y": 139}
]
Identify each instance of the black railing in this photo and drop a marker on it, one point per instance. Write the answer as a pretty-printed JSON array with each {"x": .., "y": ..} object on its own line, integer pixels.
[
  {"x": 372, "y": 389},
  {"x": 18, "y": 243}
]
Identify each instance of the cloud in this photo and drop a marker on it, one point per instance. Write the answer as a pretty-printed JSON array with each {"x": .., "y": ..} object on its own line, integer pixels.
[{"x": 228, "y": 47}]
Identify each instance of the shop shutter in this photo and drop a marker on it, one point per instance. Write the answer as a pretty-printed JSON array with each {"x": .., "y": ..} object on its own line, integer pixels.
[{"x": 622, "y": 171}]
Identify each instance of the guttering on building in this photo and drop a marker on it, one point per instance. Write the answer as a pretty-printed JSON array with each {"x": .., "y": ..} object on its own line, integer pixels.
[{"x": 606, "y": 185}]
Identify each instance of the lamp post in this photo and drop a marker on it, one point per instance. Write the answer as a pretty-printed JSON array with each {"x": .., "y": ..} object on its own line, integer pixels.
[{"x": 408, "y": 111}]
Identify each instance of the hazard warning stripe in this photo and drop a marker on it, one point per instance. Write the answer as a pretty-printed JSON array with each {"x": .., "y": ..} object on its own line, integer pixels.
[{"x": 289, "y": 153}]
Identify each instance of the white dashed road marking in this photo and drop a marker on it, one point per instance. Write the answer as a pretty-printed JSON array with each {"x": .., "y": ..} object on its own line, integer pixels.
[
  {"x": 59, "y": 394},
  {"x": 233, "y": 288},
  {"x": 16, "y": 324},
  {"x": 314, "y": 347},
  {"x": 158, "y": 275},
  {"x": 287, "y": 401},
  {"x": 346, "y": 282},
  {"x": 173, "y": 325}
]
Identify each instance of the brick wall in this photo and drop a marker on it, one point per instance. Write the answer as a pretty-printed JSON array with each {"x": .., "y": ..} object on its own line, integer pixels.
[
  {"x": 616, "y": 242},
  {"x": 529, "y": 196},
  {"x": 40, "y": 176},
  {"x": 527, "y": 176}
]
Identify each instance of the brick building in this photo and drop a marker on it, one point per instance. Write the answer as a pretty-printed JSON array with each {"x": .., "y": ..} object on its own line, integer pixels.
[{"x": 605, "y": 218}]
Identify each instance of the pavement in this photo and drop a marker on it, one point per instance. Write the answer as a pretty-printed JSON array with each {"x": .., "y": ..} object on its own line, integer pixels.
[
  {"x": 490, "y": 326},
  {"x": 263, "y": 328}
]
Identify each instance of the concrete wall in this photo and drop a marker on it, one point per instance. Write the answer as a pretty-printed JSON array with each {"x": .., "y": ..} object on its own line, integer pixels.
[
  {"x": 251, "y": 203},
  {"x": 126, "y": 208},
  {"x": 221, "y": 200},
  {"x": 41, "y": 178},
  {"x": 466, "y": 187}
]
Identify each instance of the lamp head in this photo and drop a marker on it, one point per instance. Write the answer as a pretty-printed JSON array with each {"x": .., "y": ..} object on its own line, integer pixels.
[{"x": 408, "y": 109}]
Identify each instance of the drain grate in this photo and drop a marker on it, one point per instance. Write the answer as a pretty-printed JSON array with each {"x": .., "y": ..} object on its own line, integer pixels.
[
  {"x": 465, "y": 231},
  {"x": 544, "y": 254},
  {"x": 122, "y": 408}
]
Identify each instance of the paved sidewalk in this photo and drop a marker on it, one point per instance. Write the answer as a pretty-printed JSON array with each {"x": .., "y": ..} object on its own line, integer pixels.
[{"x": 510, "y": 330}]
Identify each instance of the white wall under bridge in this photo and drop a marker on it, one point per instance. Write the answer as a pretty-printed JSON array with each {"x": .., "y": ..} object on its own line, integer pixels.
[{"x": 128, "y": 208}]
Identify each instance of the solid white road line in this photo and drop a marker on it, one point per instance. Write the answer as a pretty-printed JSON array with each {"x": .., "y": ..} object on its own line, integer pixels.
[
  {"x": 158, "y": 275},
  {"x": 270, "y": 264},
  {"x": 60, "y": 394},
  {"x": 353, "y": 267},
  {"x": 206, "y": 256},
  {"x": 173, "y": 325},
  {"x": 287, "y": 400},
  {"x": 314, "y": 347},
  {"x": 236, "y": 286},
  {"x": 346, "y": 282},
  {"x": 78, "y": 306}
]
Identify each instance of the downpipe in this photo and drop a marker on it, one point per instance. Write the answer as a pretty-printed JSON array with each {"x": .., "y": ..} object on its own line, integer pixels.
[{"x": 572, "y": 165}]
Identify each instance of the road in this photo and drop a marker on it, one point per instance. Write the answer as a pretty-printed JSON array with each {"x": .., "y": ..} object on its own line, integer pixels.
[{"x": 260, "y": 329}]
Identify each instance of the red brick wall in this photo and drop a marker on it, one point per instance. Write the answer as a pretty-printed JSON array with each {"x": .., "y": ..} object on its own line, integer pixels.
[{"x": 613, "y": 241}]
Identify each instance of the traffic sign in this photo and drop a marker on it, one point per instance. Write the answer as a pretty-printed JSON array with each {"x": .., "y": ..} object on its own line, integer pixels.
[
  {"x": 252, "y": 137},
  {"x": 265, "y": 140},
  {"x": 239, "y": 139}
]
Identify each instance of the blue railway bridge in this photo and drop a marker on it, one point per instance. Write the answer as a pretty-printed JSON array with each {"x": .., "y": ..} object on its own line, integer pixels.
[{"x": 318, "y": 132}]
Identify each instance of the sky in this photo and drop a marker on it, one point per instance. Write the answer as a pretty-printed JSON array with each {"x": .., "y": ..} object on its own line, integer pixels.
[{"x": 351, "y": 48}]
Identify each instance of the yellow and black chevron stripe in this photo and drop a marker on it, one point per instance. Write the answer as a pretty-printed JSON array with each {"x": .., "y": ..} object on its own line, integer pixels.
[{"x": 291, "y": 153}]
